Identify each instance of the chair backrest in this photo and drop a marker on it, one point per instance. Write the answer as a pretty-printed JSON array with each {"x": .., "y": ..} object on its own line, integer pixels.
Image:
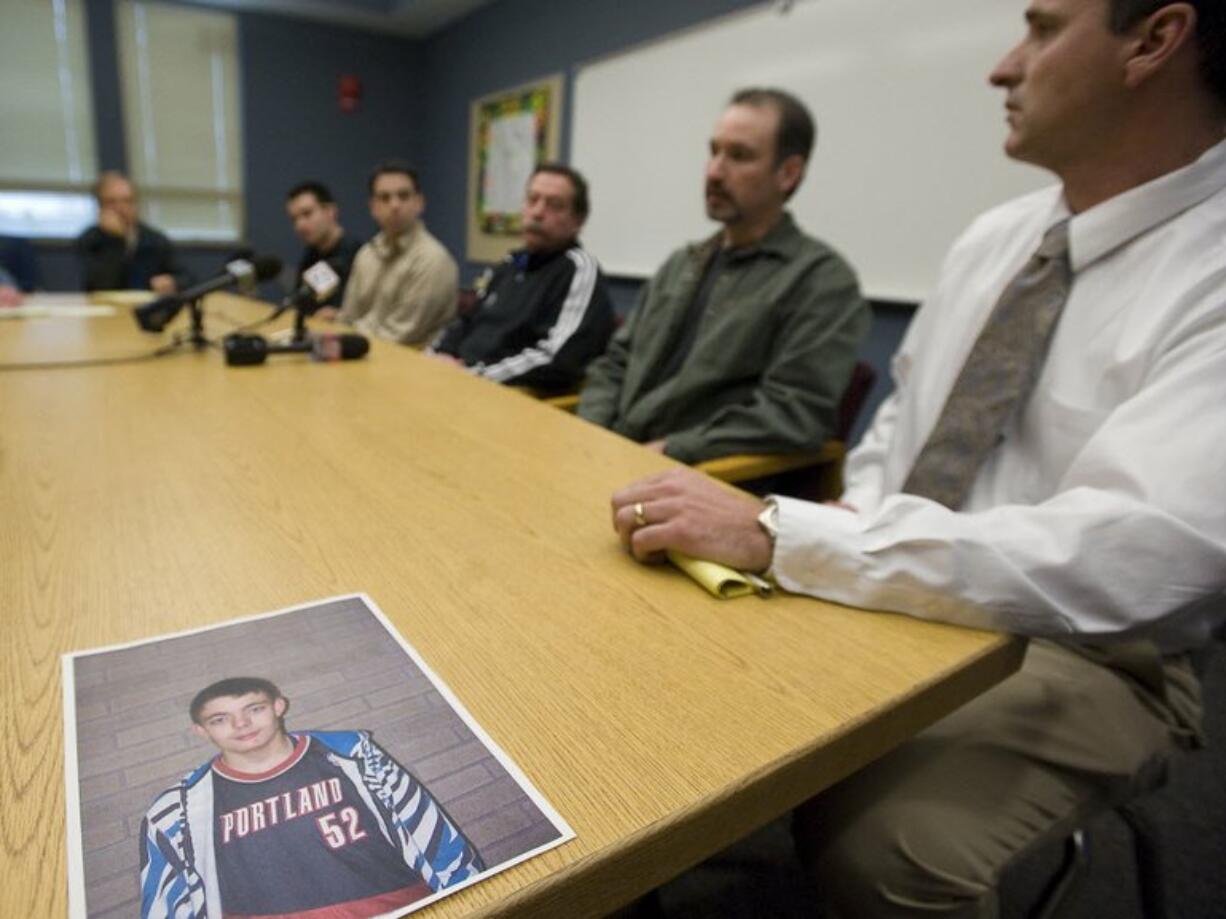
[{"x": 863, "y": 376}]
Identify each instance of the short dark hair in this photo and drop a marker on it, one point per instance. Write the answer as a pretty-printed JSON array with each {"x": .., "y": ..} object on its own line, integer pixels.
[
  {"x": 311, "y": 187},
  {"x": 232, "y": 686},
  {"x": 1210, "y": 33},
  {"x": 579, "y": 202},
  {"x": 797, "y": 132},
  {"x": 392, "y": 167}
]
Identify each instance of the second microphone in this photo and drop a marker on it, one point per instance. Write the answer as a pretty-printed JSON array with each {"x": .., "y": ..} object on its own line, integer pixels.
[{"x": 249, "y": 350}]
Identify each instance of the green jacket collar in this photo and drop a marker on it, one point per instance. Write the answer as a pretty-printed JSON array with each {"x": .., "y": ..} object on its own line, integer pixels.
[{"x": 783, "y": 241}]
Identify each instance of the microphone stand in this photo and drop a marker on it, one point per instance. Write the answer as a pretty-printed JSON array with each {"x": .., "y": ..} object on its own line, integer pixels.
[
  {"x": 197, "y": 339},
  {"x": 195, "y": 336},
  {"x": 300, "y": 332}
]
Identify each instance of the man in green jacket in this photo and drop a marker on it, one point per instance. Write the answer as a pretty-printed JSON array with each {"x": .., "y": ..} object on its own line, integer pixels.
[{"x": 742, "y": 343}]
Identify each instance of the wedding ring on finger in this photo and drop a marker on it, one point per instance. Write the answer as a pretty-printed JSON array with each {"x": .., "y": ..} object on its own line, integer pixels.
[{"x": 640, "y": 519}]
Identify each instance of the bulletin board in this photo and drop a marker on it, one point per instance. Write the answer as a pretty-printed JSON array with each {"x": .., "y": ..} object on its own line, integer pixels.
[{"x": 511, "y": 131}]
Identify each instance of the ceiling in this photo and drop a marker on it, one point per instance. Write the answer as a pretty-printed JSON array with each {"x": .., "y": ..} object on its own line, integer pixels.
[{"x": 410, "y": 18}]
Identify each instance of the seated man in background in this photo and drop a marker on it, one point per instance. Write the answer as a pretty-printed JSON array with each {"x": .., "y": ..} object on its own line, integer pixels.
[
  {"x": 315, "y": 217},
  {"x": 18, "y": 270},
  {"x": 745, "y": 342},
  {"x": 1049, "y": 464},
  {"x": 10, "y": 293},
  {"x": 120, "y": 252},
  {"x": 544, "y": 313},
  {"x": 403, "y": 284}
]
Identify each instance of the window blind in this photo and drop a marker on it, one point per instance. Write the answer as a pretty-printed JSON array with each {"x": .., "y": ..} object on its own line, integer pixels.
[
  {"x": 47, "y": 157},
  {"x": 179, "y": 78}
]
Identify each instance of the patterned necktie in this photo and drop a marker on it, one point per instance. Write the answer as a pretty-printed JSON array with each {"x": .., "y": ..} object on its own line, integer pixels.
[{"x": 998, "y": 374}]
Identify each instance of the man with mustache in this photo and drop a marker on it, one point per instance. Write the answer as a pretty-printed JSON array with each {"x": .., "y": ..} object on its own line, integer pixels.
[
  {"x": 742, "y": 343},
  {"x": 544, "y": 313}
]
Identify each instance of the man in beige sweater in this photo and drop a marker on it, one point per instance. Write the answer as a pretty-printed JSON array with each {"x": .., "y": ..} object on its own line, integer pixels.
[{"x": 403, "y": 283}]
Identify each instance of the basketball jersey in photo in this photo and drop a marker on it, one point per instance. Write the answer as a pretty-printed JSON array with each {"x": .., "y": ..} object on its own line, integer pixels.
[{"x": 301, "y": 838}]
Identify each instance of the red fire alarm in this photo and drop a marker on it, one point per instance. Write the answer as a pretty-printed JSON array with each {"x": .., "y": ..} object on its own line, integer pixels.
[{"x": 349, "y": 92}]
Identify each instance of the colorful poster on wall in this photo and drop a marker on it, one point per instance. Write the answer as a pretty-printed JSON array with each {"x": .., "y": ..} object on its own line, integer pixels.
[
  {"x": 511, "y": 141},
  {"x": 513, "y": 131}
]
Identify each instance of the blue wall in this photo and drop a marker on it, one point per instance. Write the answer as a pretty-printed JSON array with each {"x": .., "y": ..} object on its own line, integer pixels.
[{"x": 104, "y": 84}]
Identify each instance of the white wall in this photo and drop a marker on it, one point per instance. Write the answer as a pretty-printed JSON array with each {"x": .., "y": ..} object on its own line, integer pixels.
[{"x": 909, "y": 132}]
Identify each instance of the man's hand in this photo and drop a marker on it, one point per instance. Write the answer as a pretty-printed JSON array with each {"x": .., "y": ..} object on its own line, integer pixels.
[
  {"x": 9, "y": 295},
  {"x": 112, "y": 223},
  {"x": 445, "y": 358},
  {"x": 163, "y": 284},
  {"x": 685, "y": 510},
  {"x": 657, "y": 445},
  {"x": 326, "y": 313}
]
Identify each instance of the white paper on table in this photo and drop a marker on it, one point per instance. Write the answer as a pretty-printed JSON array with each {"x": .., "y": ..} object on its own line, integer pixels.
[{"x": 56, "y": 306}]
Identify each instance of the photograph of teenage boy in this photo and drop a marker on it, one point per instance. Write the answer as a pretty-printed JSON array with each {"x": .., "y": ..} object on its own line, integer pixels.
[{"x": 282, "y": 824}]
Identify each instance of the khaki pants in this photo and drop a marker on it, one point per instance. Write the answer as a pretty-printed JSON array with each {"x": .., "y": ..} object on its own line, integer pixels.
[{"x": 929, "y": 827}]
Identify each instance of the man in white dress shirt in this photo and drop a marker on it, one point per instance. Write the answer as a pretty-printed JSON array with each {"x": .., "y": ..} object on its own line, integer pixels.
[{"x": 1094, "y": 522}]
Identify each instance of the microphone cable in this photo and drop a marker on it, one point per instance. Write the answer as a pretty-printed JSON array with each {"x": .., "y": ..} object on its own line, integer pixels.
[
  {"x": 170, "y": 347},
  {"x": 236, "y": 328}
]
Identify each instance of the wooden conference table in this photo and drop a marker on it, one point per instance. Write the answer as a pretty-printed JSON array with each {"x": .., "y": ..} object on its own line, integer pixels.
[{"x": 663, "y": 724}]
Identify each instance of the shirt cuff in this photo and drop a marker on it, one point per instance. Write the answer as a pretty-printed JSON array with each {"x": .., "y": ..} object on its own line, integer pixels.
[
  {"x": 809, "y": 532},
  {"x": 864, "y": 498}
]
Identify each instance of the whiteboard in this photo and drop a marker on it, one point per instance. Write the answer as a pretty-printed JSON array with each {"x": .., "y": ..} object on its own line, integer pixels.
[{"x": 909, "y": 143}]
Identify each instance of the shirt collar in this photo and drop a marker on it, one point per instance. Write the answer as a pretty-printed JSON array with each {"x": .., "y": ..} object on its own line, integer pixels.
[
  {"x": 1119, "y": 220},
  {"x": 525, "y": 259},
  {"x": 383, "y": 244},
  {"x": 780, "y": 240},
  {"x": 335, "y": 247}
]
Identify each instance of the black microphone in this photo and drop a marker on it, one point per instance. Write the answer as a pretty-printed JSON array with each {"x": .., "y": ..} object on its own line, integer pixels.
[
  {"x": 153, "y": 317},
  {"x": 244, "y": 273},
  {"x": 157, "y": 314},
  {"x": 318, "y": 283},
  {"x": 250, "y": 350}
]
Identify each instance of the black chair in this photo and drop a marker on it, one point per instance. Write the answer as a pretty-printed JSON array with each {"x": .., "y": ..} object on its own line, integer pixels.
[{"x": 822, "y": 475}]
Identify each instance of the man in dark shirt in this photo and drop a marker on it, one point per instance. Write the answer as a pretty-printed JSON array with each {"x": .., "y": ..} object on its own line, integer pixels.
[
  {"x": 315, "y": 217},
  {"x": 544, "y": 313},
  {"x": 120, "y": 252}
]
